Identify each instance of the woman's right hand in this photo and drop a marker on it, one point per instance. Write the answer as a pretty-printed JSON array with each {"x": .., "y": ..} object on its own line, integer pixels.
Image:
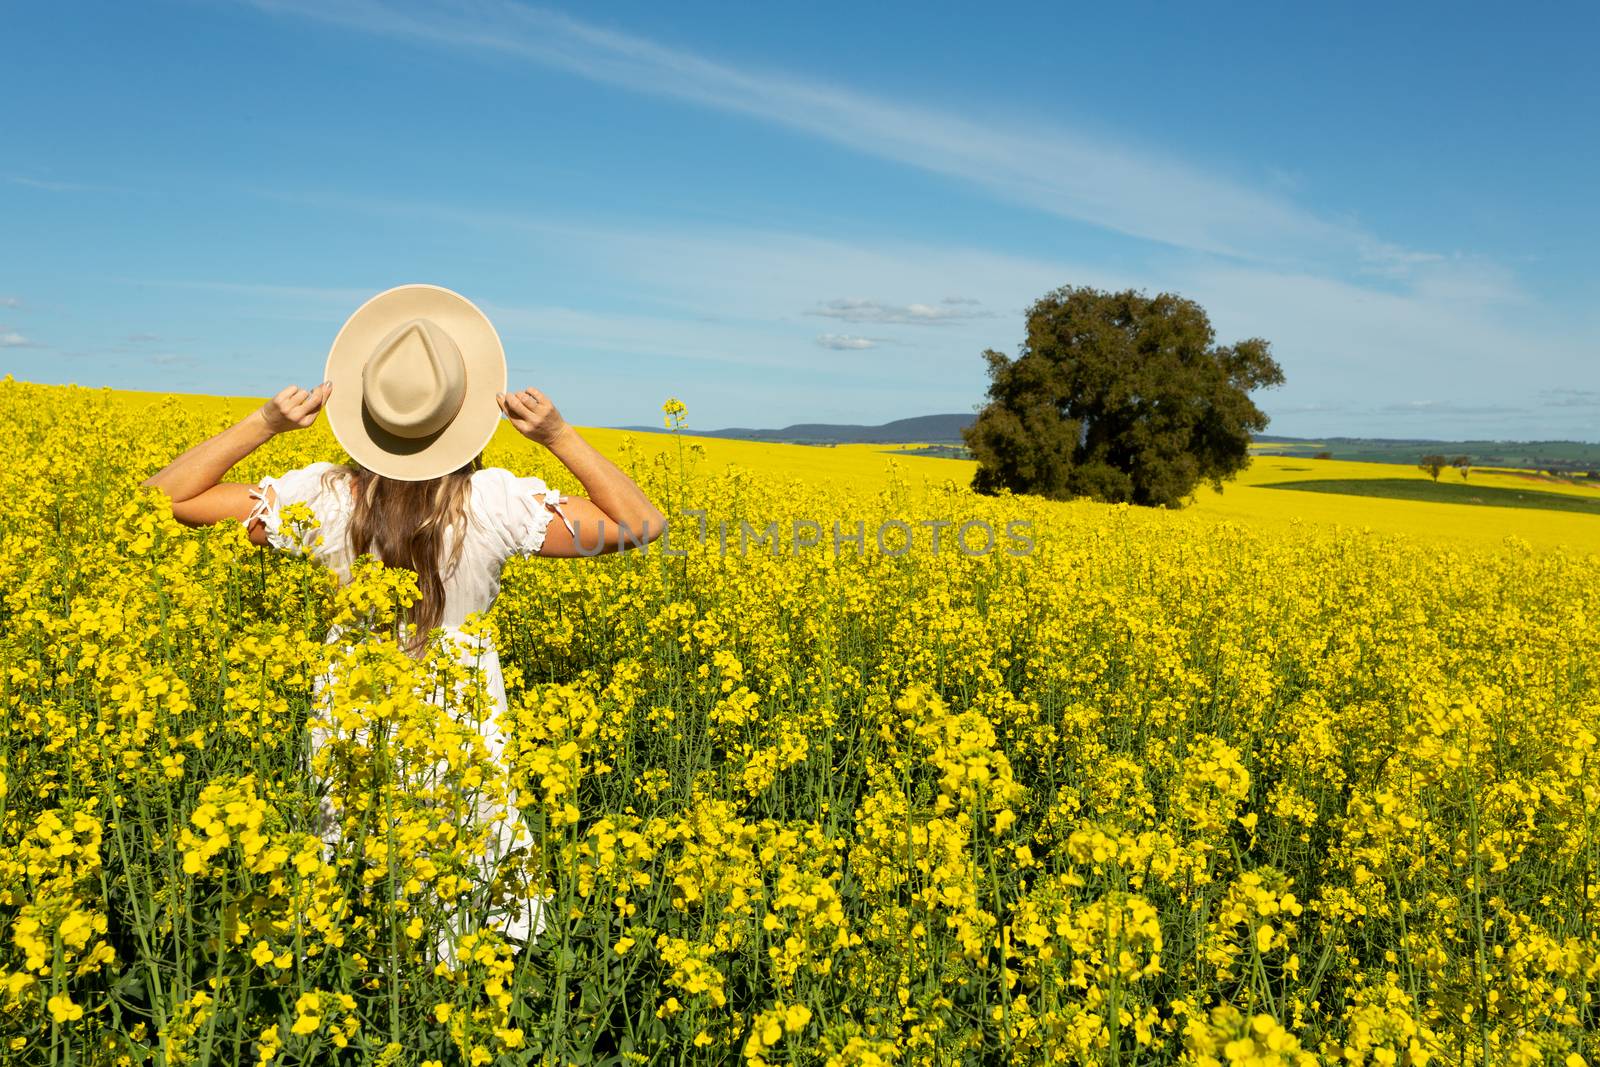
[{"x": 533, "y": 415}]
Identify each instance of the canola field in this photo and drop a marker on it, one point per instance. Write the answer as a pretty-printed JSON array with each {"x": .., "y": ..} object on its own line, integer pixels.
[{"x": 1128, "y": 787}]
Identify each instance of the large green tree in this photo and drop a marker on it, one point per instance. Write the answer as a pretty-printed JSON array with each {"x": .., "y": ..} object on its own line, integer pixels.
[{"x": 1120, "y": 397}]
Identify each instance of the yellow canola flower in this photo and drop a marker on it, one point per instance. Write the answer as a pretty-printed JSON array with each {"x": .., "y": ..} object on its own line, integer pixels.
[
  {"x": 307, "y": 1013},
  {"x": 1327, "y": 766},
  {"x": 63, "y": 1010}
]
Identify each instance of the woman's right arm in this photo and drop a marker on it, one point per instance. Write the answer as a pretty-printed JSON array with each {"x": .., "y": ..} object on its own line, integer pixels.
[
  {"x": 191, "y": 480},
  {"x": 615, "y": 515}
]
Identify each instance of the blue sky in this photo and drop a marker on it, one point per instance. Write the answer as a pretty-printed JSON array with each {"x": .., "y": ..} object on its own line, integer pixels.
[{"x": 815, "y": 212}]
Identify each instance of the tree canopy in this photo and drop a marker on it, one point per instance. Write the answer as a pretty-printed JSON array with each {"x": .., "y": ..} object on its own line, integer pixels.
[{"x": 1119, "y": 396}]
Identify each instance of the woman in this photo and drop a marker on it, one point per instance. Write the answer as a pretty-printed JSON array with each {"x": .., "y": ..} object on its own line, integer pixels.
[{"x": 415, "y": 389}]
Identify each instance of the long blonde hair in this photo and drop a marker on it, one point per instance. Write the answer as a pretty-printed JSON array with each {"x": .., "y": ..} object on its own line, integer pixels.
[{"x": 404, "y": 525}]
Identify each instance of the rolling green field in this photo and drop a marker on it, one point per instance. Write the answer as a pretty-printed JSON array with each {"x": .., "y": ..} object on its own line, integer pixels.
[
  {"x": 1445, "y": 493},
  {"x": 1568, "y": 457}
]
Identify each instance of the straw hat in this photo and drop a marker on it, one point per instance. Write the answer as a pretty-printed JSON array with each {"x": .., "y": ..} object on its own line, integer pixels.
[{"x": 415, "y": 371}]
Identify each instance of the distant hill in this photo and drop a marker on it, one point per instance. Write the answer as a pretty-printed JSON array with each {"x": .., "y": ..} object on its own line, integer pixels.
[{"x": 933, "y": 429}]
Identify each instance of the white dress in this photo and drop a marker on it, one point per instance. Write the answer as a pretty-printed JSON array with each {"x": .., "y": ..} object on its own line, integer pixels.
[{"x": 507, "y": 516}]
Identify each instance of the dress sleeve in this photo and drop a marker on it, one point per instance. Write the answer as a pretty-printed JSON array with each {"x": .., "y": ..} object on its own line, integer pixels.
[
  {"x": 519, "y": 509},
  {"x": 303, "y": 485}
]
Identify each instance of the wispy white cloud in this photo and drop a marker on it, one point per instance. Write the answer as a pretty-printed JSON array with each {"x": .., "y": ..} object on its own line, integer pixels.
[
  {"x": 843, "y": 342},
  {"x": 1133, "y": 190},
  {"x": 10, "y": 338},
  {"x": 11, "y": 302},
  {"x": 855, "y": 309}
]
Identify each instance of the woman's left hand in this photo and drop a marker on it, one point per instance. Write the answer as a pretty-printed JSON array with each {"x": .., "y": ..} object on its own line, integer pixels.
[{"x": 294, "y": 408}]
